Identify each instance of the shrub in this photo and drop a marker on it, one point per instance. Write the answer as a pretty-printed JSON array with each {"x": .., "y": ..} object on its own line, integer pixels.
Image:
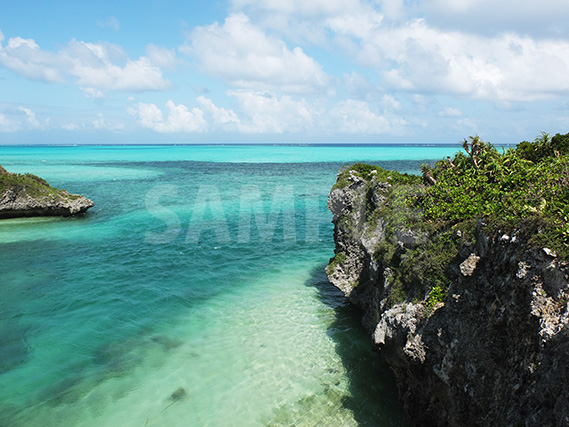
[{"x": 527, "y": 184}]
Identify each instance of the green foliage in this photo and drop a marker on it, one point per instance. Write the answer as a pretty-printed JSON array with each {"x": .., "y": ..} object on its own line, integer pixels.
[
  {"x": 528, "y": 184},
  {"x": 397, "y": 295},
  {"x": 544, "y": 146},
  {"x": 436, "y": 296},
  {"x": 338, "y": 259},
  {"x": 366, "y": 172},
  {"x": 525, "y": 189},
  {"x": 425, "y": 266},
  {"x": 32, "y": 185}
]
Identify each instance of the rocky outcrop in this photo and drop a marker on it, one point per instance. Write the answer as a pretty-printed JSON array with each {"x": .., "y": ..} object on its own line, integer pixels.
[
  {"x": 495, "y": 352},
  {"x": 28, "y": 195}
]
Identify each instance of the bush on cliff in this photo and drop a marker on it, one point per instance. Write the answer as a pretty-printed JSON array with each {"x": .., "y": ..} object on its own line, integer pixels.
[
  {"x": 527, "y": 185},
  {"x": 523, "y": 190},
  {"x": 366, "y": 172}
]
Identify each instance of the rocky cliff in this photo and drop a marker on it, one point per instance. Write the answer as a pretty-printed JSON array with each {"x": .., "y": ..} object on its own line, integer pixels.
[
  {"x": 482, "y": 341},
  {"x": 28, "y": 195}
]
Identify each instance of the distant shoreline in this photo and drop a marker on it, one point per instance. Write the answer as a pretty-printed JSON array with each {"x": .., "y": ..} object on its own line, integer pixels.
[{"x": 253, "y": 144}]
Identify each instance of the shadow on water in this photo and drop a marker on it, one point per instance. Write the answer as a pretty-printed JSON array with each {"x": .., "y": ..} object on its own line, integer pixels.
[{"x": 373, "y": 392}]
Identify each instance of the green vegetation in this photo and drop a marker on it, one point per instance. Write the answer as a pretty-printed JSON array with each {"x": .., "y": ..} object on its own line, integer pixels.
[
  {"x": 338, "y": 259},
  {"x": 527, "y": 186},
  {"x": 523, "y": 190},
  {"x": 366, "y": 172},
  {"x": 29, "y": 184},
  {"x": 436, "y": 296}
]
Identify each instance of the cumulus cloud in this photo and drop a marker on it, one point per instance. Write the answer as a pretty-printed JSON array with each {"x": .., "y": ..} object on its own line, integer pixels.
[
  {"x": 161, "y": 56},
  {"x": 356, "y": 117},
  {"x": 25, "y": 57},
  {"x": 179, "y": 118},
  {"x": 261, "y": 112},
  {"x": 16, "y": 118},
  {"x": 94, "y": 66},
  {"x": 543, "y": 18},
  {"x": 220, "y": 116},
  {"x": 245, "y": 57},
  {"x": 30, "y": 117},
  {"x": 449, "y": 112},
  {"x": 496, "y": 50},
  {"x": 310, "y": 21},
  {"x": 266, "y": 113},
  {"x": 7, "y": 125},
  {"x": 91, "y": 92},
  {"x": 504, "y": 68},
  {"x": 101, "y": 123}
]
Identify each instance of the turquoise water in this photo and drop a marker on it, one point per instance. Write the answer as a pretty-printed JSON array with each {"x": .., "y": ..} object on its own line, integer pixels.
[{"x": 193, "y": 293}]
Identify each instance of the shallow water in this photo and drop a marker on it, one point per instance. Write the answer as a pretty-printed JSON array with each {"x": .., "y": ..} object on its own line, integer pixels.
[{"x": 193, "y": 293}]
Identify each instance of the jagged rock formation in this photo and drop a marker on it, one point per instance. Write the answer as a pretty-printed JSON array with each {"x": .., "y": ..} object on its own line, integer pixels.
[
  {"x": 28, "y": 195},
  {"x": 494, "y": 353}
]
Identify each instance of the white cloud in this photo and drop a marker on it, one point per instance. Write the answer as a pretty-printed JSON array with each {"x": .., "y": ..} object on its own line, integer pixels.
[
  {"x": 310, "y": 21},
  {"x": 91, "y": 92},
  {"x": 390, "y": 103},
  {"x": 358, "y": 86},
  {"x": 547, "y": 17},
  {"x": 30, "y": 117},
  {"x": 96, "y": 66},
  {"x": 101, "y": 123},
  {"x": 268, "y": 114},
  {"x": 179, "y": 118},
  {"x": 7, "y": 125},
  {"x": 111, "y": 22},
  {"x": 313, "y": 8},
  {"x": 449, "y": 112},
  {"x": 220, "y": 116},
  {"x": 24, "y": 57},
  {"x": 480, "y": 48},
  {"x": 265, "y": 113},
  {"x": 245, "y": 57},
  {"x": 161, "y": 56},
  {"x": 416, "y": 57},
  {"x": 70, "y": 126},
  {"x": 356, "y": 117},
  {"x": 18, "y": 118}
]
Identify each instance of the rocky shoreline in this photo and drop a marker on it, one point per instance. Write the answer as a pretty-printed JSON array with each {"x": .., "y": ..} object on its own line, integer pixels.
[
  {"x": 29, "y": 196},
  {"x": 494, "y": 352}
]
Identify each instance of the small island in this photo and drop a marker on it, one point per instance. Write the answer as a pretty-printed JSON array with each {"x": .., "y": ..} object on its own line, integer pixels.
[{"x": 26, "y": 195}]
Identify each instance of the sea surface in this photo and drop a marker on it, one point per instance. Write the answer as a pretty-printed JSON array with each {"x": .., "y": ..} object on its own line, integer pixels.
[{"x": 192, "y": 294}]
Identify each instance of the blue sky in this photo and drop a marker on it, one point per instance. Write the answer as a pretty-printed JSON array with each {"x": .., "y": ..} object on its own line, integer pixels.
[{"x": 282, "y": 71}]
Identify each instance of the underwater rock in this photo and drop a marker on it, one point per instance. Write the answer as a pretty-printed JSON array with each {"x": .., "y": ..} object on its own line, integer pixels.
[
  {"x": 179, "y": 394},
  {"x": 166, "y": 342}
]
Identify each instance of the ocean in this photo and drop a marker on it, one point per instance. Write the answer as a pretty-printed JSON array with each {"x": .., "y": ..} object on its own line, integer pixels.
[{"x": 192, "y": 294}]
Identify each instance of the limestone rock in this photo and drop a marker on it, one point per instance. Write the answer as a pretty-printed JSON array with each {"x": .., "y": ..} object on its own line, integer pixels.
[
  {"x": 494, "y": 353},
  {"x": 28, "y": 195}
]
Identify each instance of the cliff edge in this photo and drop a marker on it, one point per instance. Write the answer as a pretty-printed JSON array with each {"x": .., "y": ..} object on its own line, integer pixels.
[
  {"x": 470, "y": 310},
  {"x": 26, "y": 195}
]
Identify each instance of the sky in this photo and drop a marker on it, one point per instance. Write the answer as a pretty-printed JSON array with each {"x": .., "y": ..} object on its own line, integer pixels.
[{"x": 278, "y": 71}]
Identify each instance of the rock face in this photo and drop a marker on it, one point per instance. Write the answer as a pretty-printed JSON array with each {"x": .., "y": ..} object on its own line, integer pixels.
[
  {"x": 28, "y": 195},
  {"x": 494, "y": 353}
]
